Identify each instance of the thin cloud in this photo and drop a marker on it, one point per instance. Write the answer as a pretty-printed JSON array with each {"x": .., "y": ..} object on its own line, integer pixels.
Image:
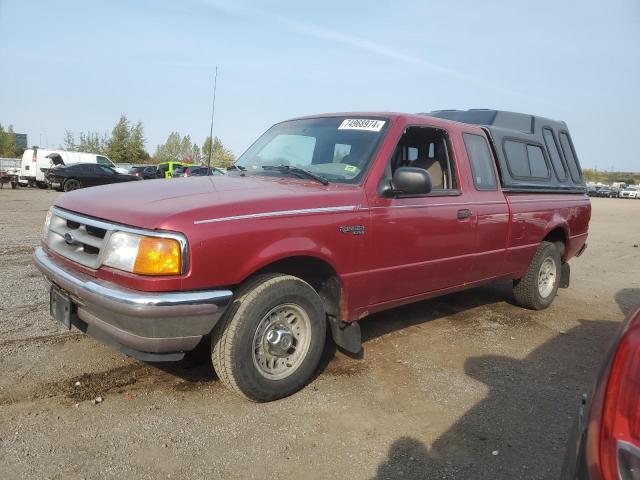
[{"x": 356, "y": 42}]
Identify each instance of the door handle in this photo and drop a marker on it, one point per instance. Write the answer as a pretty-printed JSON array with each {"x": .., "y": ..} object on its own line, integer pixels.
[{"x": 464, "y": 213}]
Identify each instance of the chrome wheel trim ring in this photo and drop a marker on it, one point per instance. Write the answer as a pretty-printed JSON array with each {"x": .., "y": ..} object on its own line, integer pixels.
[
  {"x": 281, "y": 341},
  {"x": 547, "y": 277}
]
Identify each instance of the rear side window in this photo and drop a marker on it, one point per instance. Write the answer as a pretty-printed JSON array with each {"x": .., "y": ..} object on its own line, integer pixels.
[
  {"x": 517, "y": 158},
  {"x": 572, "y": 162},
  {"x": 556, "y": 160},
  {"x": 103, "y": 160},
  {"x": 525, "y": 160},
  {"x": 484, "y": 177},
  {"x": 537, "y": 162}
]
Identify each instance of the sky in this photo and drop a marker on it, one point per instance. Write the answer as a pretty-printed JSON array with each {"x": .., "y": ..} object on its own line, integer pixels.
[{"x": 78, "y": 65}]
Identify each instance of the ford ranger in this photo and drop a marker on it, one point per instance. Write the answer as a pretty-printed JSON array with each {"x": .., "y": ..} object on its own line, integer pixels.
[{"x": 322, "y": 221}]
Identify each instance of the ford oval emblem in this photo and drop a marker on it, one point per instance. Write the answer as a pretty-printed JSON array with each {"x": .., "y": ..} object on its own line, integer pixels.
[{"x": 69, "y": 240}]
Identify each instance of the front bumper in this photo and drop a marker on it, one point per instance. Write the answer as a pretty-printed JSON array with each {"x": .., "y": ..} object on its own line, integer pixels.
[{"x": 146, "y": 325}]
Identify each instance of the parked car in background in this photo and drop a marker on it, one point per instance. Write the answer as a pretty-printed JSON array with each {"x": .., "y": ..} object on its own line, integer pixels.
[
  {"x": 196, "y": 171},
  {"x": 605, "y": 442},
  {"x": 36, "y": 162},
  {"x": 124, "y": 166},
  {"x": 145, "y": 172},
  {"x": 178, "y": 171},
  {"x": 607, "y": 192},
  {"x": 80, "y": 175},
  {"x": 592, "y": 190},
  {"x": 630, "y": 192},
  {"x": 165, "y": 170},
  {"x": 297, "y": 240}
]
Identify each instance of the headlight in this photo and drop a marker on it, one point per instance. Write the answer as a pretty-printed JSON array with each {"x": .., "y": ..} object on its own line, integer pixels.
[
  {"x": 144, "y": 255},
  {"x": 45, "y": 227}
]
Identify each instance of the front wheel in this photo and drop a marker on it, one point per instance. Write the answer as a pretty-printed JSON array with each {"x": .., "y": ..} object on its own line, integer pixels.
[
  {"x": 539, "y": 285},
  {"x": 270, "y": 339}
]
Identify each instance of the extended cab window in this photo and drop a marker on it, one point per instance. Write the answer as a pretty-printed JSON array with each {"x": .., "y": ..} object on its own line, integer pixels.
[
  {"x": 525, "y": 160},
  {"x": 484, "y": 177},
  {"x": 427, "y": 148},
  {"x": 103, "y": 160}
]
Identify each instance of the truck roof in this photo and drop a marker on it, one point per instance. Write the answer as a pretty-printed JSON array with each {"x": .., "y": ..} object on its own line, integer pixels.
[
  {"x": 550, "y": 138},
  {"x": 519, "y": 122},
  {"x": 530, "y": 139}
]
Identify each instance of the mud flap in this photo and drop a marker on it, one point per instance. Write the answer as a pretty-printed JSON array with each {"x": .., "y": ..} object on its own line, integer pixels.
[
  {"x": 346, "y": 335},
  {"x": 565, "y": 275}
]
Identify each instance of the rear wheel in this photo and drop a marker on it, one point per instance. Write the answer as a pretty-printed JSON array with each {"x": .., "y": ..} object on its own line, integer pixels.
[
  {"x": 270, "y": 340},
  {"x": 539, "y": 285},
  {"x": 71, "y": 184}
]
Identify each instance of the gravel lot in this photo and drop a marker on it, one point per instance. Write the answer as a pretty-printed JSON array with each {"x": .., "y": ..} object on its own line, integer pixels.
[{"x": 464, "y": 386}]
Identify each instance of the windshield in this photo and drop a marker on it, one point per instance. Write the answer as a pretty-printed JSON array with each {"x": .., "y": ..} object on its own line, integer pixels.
[{"x": 336, "y": 148}]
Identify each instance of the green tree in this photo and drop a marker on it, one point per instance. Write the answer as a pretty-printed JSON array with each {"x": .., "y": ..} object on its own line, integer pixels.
[
  {"x": 8, "y": 147},
  {"x": 185, "y": 149},
  {"x": 135, "y": 146},
  {"x": 196, "y": 154},
  {"x": 178, "y": 149},
  {"x": 117, "y": 145},
  {"x": 70, "y": 141},
  {"x": 221, "y": 156},
  {"x": 92, "y": 142},
  {"x": 170, "y": 150}
]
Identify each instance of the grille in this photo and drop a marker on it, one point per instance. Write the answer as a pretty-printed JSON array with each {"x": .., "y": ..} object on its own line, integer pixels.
[
  {"x": 78, "y": 238},
  {"x": 84, "y": 240}
]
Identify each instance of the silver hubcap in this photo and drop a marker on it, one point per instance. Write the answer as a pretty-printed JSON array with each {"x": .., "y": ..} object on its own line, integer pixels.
[
  {"x": 281, "y": 341},
  {"x": 547, "y": 277}
]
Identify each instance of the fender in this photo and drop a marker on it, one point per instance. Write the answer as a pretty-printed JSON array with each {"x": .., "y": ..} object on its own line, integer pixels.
[
  {"x": 557, "y": 222},
  {"x": 287, "y": 248}
]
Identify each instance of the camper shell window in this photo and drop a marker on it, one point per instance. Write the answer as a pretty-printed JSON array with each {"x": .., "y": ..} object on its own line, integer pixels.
[{"x": 533, "y": 154}]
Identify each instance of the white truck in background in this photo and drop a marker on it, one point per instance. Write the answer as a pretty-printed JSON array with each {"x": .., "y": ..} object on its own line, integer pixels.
[{"x": 36, "y": 162}]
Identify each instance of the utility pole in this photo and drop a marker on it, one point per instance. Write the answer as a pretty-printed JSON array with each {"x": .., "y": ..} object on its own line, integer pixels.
[{"x": 213, "y": 110}]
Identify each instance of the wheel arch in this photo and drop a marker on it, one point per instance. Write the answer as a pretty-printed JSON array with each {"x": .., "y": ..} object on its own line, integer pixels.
[
  {"x": 558, "y": 233},
  {"x": 317, "y": 272}
]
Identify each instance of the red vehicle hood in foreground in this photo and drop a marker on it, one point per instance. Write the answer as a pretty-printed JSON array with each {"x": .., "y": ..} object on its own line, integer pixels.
[{"x": 162, "y": 204}]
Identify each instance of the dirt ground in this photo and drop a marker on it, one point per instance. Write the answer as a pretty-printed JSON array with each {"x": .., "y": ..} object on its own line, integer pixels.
[{"x": 464, "y": 386}]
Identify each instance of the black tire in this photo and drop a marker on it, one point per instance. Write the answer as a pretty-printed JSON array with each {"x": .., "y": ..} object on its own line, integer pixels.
[
  {"x": 42, "y": 185},
  {"x": 527, "y": 291},
  {"x": 71, "y": 184},
  {"x": 234, "y": 354},
  {"x": 14, "y": 185}
]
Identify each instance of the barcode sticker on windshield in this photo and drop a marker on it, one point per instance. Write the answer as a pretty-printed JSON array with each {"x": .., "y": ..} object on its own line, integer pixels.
[{"x": 361, "y": 124}]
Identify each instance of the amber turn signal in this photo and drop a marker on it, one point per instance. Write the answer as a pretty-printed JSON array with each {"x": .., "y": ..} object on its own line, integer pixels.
[{"x": 158, "y": 256}]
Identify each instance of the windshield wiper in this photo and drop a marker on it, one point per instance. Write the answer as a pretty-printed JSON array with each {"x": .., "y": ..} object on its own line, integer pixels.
[
  {"x": 240, "y": 168},
  {"x": 297, "y": 171}
]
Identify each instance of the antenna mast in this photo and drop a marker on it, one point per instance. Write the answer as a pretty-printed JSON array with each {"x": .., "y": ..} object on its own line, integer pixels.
[{"x": 213, "y": 110}]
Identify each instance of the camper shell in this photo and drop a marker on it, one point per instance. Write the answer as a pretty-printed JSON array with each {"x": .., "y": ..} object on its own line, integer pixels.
[{"x": 534, "y": 154}]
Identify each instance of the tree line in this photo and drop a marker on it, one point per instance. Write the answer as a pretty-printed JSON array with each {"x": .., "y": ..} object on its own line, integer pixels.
[
  {"x": 593, "y": 175},
  {"x": 126, "y": 144},
  {"x": 8, "y": 146}
]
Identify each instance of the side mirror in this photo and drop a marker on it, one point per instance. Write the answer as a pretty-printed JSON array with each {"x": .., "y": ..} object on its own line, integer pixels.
[{"x": 411, "y": 181}]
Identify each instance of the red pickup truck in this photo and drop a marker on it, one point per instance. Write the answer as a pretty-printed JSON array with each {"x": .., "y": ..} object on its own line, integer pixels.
[{"x": 321, "y": 222}]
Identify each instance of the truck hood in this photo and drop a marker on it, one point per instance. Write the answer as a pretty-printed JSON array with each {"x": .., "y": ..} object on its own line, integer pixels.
[{"x": 173, "y": 204}]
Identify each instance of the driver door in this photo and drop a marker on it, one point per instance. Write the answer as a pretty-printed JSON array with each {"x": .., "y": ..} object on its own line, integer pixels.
[{"x": 422, "y": 243}]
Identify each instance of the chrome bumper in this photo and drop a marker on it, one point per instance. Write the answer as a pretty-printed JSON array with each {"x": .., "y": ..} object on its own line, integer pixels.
[{"x": 139, "y": 323}]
